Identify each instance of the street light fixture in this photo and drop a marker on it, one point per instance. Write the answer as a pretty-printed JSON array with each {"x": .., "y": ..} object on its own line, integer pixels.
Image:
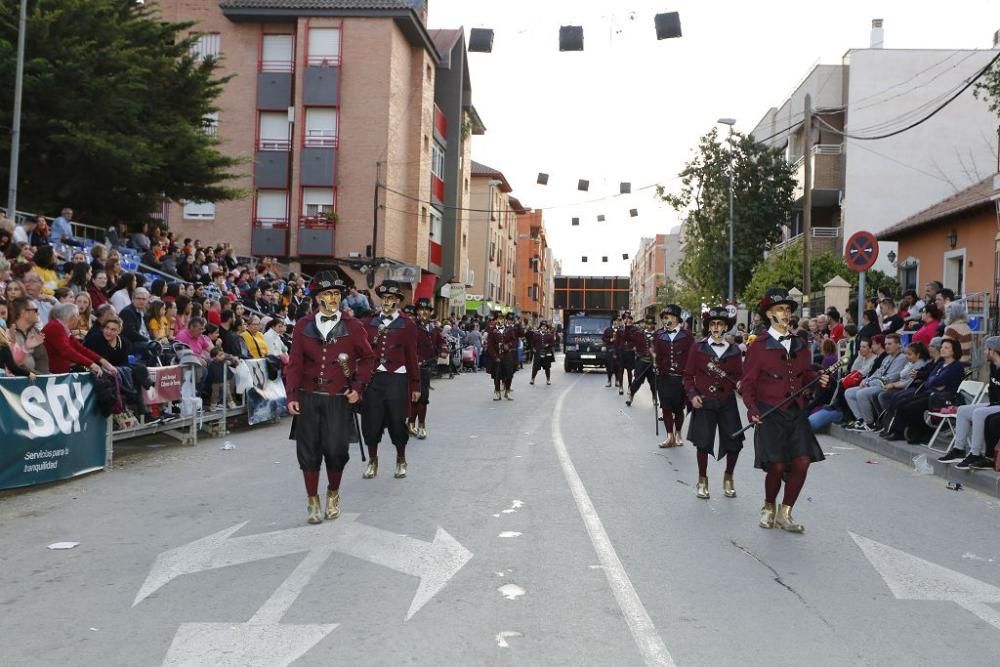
[{"x": 730, "y": 122}]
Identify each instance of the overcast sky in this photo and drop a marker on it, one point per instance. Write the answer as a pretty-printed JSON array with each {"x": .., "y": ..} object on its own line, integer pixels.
[{"x": 631, "y": 108}]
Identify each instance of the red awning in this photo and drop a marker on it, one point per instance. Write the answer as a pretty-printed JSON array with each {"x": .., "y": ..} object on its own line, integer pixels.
[{"x": 425, "y": 288}]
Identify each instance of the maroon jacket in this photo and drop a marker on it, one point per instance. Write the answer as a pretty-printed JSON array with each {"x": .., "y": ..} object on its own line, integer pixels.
[
  {"x": 64, "y": 350},
  {"x": 640, "y": 341},
  {"x": 770, "y": 375},
  {"x": 395, "y": 346},
  {"x": 541, "y": 342},
  {"x": 312, "y": 362},
  {"x": 672, "y": 356},
  {"x": 623, "y": 340},
  {"x": 430, "y": 342},
  {"x": 700, "y": 381},
  {"x": 509, "y": 336}
]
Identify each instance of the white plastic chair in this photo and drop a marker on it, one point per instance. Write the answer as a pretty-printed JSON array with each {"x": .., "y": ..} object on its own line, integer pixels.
[{"x": 975, "y": 390}]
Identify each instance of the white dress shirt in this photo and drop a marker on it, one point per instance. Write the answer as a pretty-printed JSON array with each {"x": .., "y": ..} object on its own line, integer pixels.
[
  {"x": 326, "y": 327},
  {"x": 718, "y": 349},
  {"x": 775, "y": 334}
]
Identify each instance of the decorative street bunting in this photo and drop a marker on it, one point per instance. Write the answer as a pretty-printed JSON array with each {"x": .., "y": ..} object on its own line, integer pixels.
[
  {"x": 625, "y": 188},
  {"x": 480, "y": 40},
  {"x": 571, "y": 38},
  {"x": 600, "y": 218},
  {"x": 576, "y": 222},
  {"x": 543, "y": 179},
  {"x": 604, "y": 259},
  {"x": 584, "y": 258},
  {"x": 634, "y": 212},
  {"x": 583, "y": 185},
  {"x": 625, "y": 255},
  {"x": 668, "y": 25}
]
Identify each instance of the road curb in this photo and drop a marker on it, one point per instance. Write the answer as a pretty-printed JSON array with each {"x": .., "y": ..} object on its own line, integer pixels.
[{"x": 986, "y": 481}]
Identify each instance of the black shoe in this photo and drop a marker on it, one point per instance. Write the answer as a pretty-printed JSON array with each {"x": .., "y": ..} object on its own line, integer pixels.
[
  {"x": 974, "y": 462},
  {"x": 953, "y": 455},
  {"x": 608, "y": 384}
]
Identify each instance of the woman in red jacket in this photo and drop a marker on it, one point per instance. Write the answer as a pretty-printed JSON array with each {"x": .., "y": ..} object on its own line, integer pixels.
[{"x": 64, "y": 351}]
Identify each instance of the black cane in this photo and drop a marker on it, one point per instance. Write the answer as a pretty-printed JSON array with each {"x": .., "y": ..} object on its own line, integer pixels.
[
  {"x": 791, "y": 397},
  {"x": 342, "y": 360}
]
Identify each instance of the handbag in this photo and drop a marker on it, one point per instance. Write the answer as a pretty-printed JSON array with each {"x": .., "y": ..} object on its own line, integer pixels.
[{"x": 852, "y": 379}]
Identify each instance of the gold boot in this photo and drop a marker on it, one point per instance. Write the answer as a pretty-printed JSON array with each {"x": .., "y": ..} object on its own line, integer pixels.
[
  {"x": 315, "y": 515},
  {"x": 422, "y": 432},
  {"x": 332, "y": 505},
  {"x": 506, "y": 394},
  {"x": 372, "y": 470},
  {"x": 767, "y": 515},
  {"x": 786, "y": 522},
  {"x": 412, "y": 428},
  {"x": 669, "y": 442},
  {"x": 496, "y": 396},
  {"x": 728, "y": 489},
  {"x": 400, "y": 469},
  {"x": 702, "y": 491},
  {"x": 678, "y": 440}
]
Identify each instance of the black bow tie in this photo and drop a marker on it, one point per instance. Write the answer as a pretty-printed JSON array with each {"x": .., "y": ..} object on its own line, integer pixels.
[
  {"x": 718, "y": 344},
  {"x": 671, "y": 332},
  {"x": 329, "y": 318},
  {"x": 782, "y": 339}
]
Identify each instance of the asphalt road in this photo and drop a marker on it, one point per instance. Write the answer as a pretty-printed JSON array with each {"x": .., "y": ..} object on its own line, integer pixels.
[{"x": 549, "y": 530}]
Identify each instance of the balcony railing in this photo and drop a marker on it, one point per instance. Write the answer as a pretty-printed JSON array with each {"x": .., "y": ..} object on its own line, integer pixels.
[
  {"x": 321, "y": 139},
  {"x": 315, "y": 221},
  {"x": 440, "y": 122},
  {"x": 277, "y": 66},
  {"x": 817, "y": 233},
  {"x": 320, "y": 60},
  {"x": 271, "y": 223},
  {"x": 274, "y": 145},
  {"x": 437, "y": 188}
]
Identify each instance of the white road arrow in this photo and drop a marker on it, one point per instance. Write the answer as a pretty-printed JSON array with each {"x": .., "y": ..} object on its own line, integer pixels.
[
  {"x": 435, "y": 563},
  {"x": 912, "y": 578}
]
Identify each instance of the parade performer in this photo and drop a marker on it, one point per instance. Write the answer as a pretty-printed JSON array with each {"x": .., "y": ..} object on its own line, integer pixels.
[
  {"x": 501, "y": 341},
  {"x": 713, "y": 369},
  {"x": 642, "y": 341},
  {"x": 329, "y": 364},
  {"x": 671, "y": 346},
  {"x": 542, "y": 344},
  {"x": 777, "y": 368},
  {"x": 396, "y": 381},
  {"x": 611, "y": 360},
  {"x": 430, "y": 344},
  {"x": 410, "y": 311},
  {"x": 625, "y": 349}
]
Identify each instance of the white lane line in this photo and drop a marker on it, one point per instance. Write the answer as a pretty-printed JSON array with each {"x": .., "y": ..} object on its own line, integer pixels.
[{"x": 653, "y": 650}]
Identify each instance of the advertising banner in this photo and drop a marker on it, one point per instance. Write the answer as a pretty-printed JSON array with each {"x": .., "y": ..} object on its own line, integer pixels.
[{"x": 52, "y": 429}]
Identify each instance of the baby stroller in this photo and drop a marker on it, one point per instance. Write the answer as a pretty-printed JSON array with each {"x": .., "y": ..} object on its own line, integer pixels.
[
  {"x": 455, "y": 355},
  {"x": 469, "y": 359}
]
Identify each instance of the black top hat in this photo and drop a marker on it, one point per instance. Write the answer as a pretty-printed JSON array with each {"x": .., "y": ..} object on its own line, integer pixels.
[
  {"x": 390, "y": 287},
  {"x": 327, "y": 280},
  {"x": 410, "y": 309},
  {"x": 719, "y": 313},
  {"x": 649, "y": 319},
  {"x": 511, "y": 315},
  {"x": 775, "y": 296},
  {"x": 672, "y": 309},
  {"x": 424, "y": 302},
  {"x": 496, "y": 315},
  {"x": 627, "y": 314},
  {"x": 545, "y": 324}
]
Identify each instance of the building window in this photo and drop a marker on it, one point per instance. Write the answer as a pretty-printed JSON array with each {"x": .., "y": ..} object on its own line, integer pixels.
[
  {"x": 436, "y": 220},
  {"x": 321, "y": 128},
  {"x": 272, "y": 207},
  {"x": 277, "y": 53},
  {"x": 210, "y": 124},
  {"x": 208, "y": 45},
  {"x": 317, "y": 201},
  {"x": 274, "y": 131},
  {"x": 194, "y": 210},
  {"x": 437, "y": 161},
  {"x": 324, "y": 47}
]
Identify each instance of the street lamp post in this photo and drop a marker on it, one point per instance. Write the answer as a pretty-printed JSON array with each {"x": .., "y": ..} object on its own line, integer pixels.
[
  {"x": 15, "y": 130},
  {"x": 730, "y": 122}
]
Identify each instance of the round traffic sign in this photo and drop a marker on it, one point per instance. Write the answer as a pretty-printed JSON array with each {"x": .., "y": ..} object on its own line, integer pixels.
[
  {"x": 483, "y": 310},
  {"x": 861, "y": 251},
  {"x": 731, "y": 310}
]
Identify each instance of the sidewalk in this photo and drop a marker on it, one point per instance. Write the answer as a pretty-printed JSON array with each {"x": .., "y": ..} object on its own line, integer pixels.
[{"x": 986, "y": 481}]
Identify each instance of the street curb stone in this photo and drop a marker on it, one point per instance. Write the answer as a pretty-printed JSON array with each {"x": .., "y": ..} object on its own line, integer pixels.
[{"x": 986, "y": 481}]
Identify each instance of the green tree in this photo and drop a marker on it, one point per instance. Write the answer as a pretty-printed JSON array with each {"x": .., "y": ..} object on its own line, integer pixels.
[
  {"x": 784, "y": 269},
  {"x": 680, "y": 293},
  {"x": 763, "y": 184},
  {"x": 988, "y": 88},
  {"x": 114, "y": 111}
]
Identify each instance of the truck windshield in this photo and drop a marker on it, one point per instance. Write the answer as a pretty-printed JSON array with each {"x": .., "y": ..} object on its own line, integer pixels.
[{"x": 587, "y": 325}]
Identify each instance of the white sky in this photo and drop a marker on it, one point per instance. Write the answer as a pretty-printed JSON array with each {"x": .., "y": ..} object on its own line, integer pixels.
[{"x": 631, "y": 108}]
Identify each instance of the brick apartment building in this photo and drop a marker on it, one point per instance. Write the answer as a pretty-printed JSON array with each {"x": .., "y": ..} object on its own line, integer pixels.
[
  {"x": 655, "y": 262},
  {"x": 493, "y": 241},
  {"x": 334, "y": 106},
  {"x": 534, "y": 267}
]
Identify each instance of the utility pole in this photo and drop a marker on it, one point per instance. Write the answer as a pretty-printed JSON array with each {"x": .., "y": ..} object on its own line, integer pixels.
[
  {"x": 807, "y": 207},
  {"x": 15, "y": 130}
]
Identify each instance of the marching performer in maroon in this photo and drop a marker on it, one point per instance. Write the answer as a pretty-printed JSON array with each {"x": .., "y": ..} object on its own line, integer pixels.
[
  {"x": 625, "y": 350},
  {"x": 329, "y": 365},
  {"x": 611, "y": 360},
  {"x": 396, "y": 381},
  {"x": 671, "y": 346},
  {"x": 430, "y": 344},
  {"x": 778, "y": 366},
  {"x": 713, "y": 369},
  {"x": 543, "y": 344},
  {"x": 501, "y": 341},
  {"x": 642, "y": 342}
]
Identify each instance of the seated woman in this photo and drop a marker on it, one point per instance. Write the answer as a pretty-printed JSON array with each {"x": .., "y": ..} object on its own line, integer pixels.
[
  {"x": 969, "y": 447},
  {"x": 931, "y": 319},
  {"x": 917, "y": 357},
  {"x": 943, "y": 380}
]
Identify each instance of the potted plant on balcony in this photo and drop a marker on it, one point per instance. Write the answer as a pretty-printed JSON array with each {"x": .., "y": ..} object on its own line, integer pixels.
[{"x": 329, "y": 217}]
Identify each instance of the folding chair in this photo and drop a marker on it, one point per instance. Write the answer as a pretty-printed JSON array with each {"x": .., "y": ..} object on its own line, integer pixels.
[{"x": 972, "y": 388}]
